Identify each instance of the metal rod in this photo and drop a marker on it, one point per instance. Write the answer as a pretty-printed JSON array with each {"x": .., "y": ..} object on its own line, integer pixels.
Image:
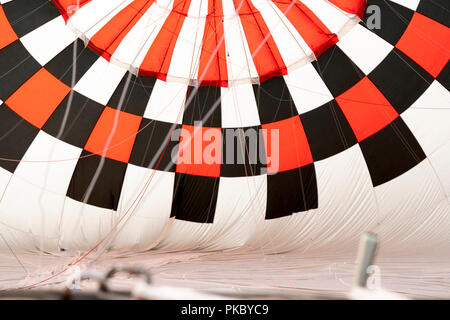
[{"x": 366, "y": 255}]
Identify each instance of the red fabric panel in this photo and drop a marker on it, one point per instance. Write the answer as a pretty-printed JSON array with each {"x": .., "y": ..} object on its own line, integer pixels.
[
  {"x": 427, "y": 42},
  {"x": 366, "y": 109},
  {"x": 157, "y": 61},
  {"x": 123, "y": 138},
  {"x": 293, "y": 149},
  {"x": 308, "y": 25},
  {"x": 108, "y": 38},
  {"x": 7, "y": 34},
  {"x": 213, "y": 63},
  {"x": 351, "y": 6},
  {"x": 267, "y": 58},
  {"x": 38, "y": 98},
  {"x": 200, "y": 151}
]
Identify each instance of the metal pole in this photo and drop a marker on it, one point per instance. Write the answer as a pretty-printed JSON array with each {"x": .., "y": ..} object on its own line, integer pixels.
[{"x": 366, "y": 254}]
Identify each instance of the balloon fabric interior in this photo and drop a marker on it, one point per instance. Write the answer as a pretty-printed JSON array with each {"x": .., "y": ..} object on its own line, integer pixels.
[{"x": 222, "y": 124}]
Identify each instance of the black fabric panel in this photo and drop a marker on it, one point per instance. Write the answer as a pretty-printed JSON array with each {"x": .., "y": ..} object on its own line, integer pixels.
[
  {"x": 337, "y": 71},
  {"x": 436, "y": 10},
  {"x": 16, "y": 67},
  {"x": 394, "y": 20},
  {"x": 203, "y": 101},
  {"x": 400, "y": 79},
  {"x": 444, "y": 76},
  {"x": 106, "y": 192},
  {"x": 28, "y": 15},
  {"x": 16, "y": 136},
  {"x": 62, "y": 65},
  {"x": 155, "y": 135},
  {"x": 195, "y": 198},
  {"x": 391, "y": 152},
  {"x": 82, "y": 116},
  {"x": 243, "y": 152},
  {"x": 137, "y": 94},
  {"x": 291, "y": 191},
  {"x": 327, "y": 130},
  {"x": 274, "y": 101}
]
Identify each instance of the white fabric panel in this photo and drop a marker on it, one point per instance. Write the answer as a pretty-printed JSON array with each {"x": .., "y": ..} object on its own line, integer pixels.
[
  {"x": 435, "y": 97},
  {"x": 91, "y": 17},
  {"x": 440, "y": 160},
  {"x": 240, "y": 212},
  {"x": 27, "y": 208},
  {"x": 238, "y": 106},
  {"x": 429, "y": 117},
  {"x": 100, "y": 81},
  {"x": 336, "y": 20},
  {"x": 408, "y": 205},
  {"x": 134, "y": 47},
  {"x": 16, "y": 239},
  {"x": 83, "y": 226},
  {"x": 49, "y": 163},
  {"x": 186, "y": 55},
  {"x": 347, "y": 208},
  {"x": 365, "y": 48},
  {"x": 185, "y": 235},
  {"x": 239, "y": 59},
  {"x": 43, "y": 176},
  {"x": 238, "y": 219},
  {"x": 5, "y": 177},
  {"x": 411, "y": 4},
  {"x": 146, "y": 203},
  {"x": 307, "y": 89},
  {"x": 293, "y": 49},
  {"x": 167, "y": 102},
  {"x": 45, "y": 42}
]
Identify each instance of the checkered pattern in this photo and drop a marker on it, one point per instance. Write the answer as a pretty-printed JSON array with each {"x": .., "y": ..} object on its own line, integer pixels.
[{"x": 344, "y": 103}]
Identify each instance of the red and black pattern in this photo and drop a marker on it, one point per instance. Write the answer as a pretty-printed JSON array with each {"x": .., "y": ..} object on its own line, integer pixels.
[{"x": 365, "y": 109}]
